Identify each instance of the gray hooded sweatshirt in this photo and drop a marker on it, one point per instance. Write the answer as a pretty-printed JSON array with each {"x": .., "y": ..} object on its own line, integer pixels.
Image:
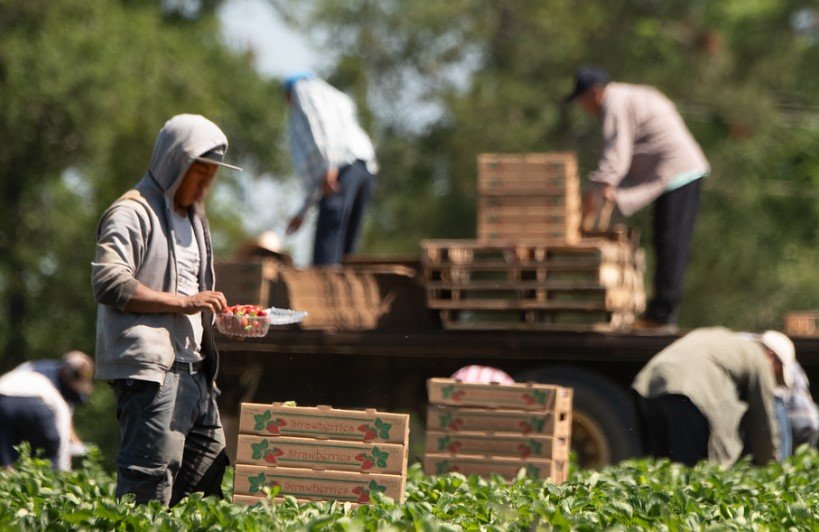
[{"x": 135, "y": 244}]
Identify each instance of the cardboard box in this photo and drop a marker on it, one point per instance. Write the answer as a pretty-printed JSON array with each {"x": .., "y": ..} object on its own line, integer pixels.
[
  {"x": 316, "y": 485},
  {"x": 528, "y": 396},
  {"x": 468, "y": 419},
  {"x": 323, "y": 422},
  {"x": 322, "y": 454},
  {"x": 499, "y": 444},
  {"x": 249, "y": 500},
  {"x": 508, "y": 468}
]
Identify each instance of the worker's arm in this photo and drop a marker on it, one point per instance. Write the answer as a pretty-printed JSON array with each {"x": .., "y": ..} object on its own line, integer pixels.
[
  {"x": 619, "y": 128},
  {"x": 120, "y": 250}
]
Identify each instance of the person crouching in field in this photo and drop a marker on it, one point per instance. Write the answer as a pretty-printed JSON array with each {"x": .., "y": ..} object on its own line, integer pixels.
[
  {"x": 37, "y": 401},
  {"x": 707, "y": 394},
  {"x": 153, "y": 281}
]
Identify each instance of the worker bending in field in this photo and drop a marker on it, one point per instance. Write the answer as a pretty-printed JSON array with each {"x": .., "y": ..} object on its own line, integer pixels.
[
  {"x": 648, "y": 156},
  {"x": 706, "y": 393},
  {"x": 37, "y": 401},
  {"x": 336, "y": 159},
  {"x": 796, "y": 412}
]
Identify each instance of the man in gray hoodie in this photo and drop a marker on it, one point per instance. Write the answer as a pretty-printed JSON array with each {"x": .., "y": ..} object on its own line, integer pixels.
[{"x": 153, "y": 281}]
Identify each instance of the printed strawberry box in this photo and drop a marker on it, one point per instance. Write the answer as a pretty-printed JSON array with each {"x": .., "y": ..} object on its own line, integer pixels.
[
  {"x": 324, "y": 422},
  {"x": 469, "y": 419},
  {"x": 530, "y": 396},
  {"x": 506, "y": 467},
  {"x": 344, "y": 486},
  {"x": 499, "y": 444},
  {"x": 250, "y": 500},
  {"x": 321, "y": 454}
]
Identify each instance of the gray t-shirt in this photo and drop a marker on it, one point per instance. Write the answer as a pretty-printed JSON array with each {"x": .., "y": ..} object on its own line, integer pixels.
[{"x": 187, "y": 284}]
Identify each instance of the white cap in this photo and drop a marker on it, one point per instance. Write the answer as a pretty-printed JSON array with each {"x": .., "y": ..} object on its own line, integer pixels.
[{"x": 783, "y": 348}]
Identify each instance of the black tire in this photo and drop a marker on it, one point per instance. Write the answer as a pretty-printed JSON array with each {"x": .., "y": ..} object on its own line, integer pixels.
[{"x": 604, "y": 420}]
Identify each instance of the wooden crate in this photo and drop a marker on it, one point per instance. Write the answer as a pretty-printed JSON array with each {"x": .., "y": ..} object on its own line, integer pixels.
[
  {"x": 521, "y": 174},
  {"x": 803, "y": 323},
  {"x": 536, "y": 320},
  {"x": 507, "y": 420},
  {"x": 311, "y": 485},
  {"x": 444, "y": 254},
  {"x": 246, "y": 282}
]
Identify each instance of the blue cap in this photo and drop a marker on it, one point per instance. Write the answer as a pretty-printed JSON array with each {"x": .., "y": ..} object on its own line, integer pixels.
[
  {"x": 295, "y": 77},
  {"x": 587, "y": 77}
]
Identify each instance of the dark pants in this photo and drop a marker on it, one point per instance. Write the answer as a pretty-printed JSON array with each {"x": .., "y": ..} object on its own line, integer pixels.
[
  {"x": 172, "y": 442},
  {"x": 340, "y": 215},
  {"x": 27, "y": 419},
  {"x": 674, "y": 215},
  {"x": 673, "y": 428}
]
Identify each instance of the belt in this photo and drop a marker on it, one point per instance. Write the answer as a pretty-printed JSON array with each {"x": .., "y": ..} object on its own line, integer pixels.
[{"x": 186, "y": 367}]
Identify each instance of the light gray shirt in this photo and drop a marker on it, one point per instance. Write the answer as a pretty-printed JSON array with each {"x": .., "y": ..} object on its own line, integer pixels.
[
  {"x": 187, "y": 284},
  {"x": 646, "y": 146}
]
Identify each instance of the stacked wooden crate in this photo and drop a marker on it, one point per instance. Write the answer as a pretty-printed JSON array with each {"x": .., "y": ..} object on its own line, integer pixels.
[
  {"x": 802, "y": 323},
  {"x": 533, "y": 196},
  {"x": 595, "y": 284},
  {"x": 530, "y": 268},
  {"x": 320, "y": 453},
  {"x": 498, "y": 429}
]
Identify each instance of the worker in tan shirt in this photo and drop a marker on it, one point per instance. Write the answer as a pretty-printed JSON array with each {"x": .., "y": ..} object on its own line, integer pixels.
[
  {"x": 707, "y": 394},
  {"x": 648, "y": 156}
]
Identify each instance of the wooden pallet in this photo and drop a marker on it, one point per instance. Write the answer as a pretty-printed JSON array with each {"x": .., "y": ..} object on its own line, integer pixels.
[
  {"x": 470, "y": 253},
  {"x": 528, "y": 296},
  {"x": 804, "y": 323},
  {"x": 546, "y": 319}
]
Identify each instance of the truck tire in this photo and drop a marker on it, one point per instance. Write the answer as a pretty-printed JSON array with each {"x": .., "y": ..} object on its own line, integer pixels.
[{"x": 604, "y": 421}]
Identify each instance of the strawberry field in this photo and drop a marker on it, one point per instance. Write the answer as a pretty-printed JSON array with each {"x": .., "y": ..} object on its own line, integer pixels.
[{"x": 640, "y": 494}]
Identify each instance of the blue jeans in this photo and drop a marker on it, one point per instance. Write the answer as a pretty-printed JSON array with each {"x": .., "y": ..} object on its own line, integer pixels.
[
  {"x": 172, "y": 441},
  {"x": 341, "y": 214},
  {"x": 784, "y": 425}
]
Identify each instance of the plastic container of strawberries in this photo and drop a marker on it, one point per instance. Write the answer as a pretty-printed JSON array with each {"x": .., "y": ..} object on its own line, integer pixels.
[
  {"x": 253, "y": 321},
  {"x": 241, "y": 324}
]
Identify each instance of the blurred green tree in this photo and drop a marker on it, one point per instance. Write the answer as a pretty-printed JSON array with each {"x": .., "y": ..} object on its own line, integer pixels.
[
  {"x": 85, "y": 86},
  {"x": 448, "y": 80}
]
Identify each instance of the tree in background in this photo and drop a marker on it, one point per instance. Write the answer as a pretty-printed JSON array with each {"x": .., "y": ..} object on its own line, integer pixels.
[
  {"x": 448, "y": 80},
  {"x": 85, "y": 88}
]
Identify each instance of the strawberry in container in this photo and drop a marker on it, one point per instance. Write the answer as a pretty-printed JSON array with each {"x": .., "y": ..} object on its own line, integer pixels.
[
  {"x": 253, "y": 320},
  {"x": 243, "y": 320}
]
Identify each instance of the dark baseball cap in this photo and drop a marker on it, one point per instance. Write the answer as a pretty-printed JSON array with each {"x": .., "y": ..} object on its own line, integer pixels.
[
  {"x": 587, "y": 77},
  {"x": 216, "y": 156}
]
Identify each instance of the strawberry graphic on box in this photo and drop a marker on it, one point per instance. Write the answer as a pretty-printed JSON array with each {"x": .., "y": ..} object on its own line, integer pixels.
[
  {"x": 257, "y": 482},
  {"x": 364, "y": 493},
  {"x": 377, "y": 429},
  {"x": 265, "y": 421},
  {"x": 536, "y": 396},
  {"x": 377, "y": 458},
  {"x": 264, "y": 451}
]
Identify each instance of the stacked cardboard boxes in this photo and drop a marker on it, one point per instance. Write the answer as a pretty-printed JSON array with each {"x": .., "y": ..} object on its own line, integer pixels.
[
  {"x": 498, "y": 429},
  {"x": 320, "y": 453},
  {"x": 529, "y": 267}
]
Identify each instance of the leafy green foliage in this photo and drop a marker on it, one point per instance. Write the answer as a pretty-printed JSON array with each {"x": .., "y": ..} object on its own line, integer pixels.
[{"x": 643, "y": 494}]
